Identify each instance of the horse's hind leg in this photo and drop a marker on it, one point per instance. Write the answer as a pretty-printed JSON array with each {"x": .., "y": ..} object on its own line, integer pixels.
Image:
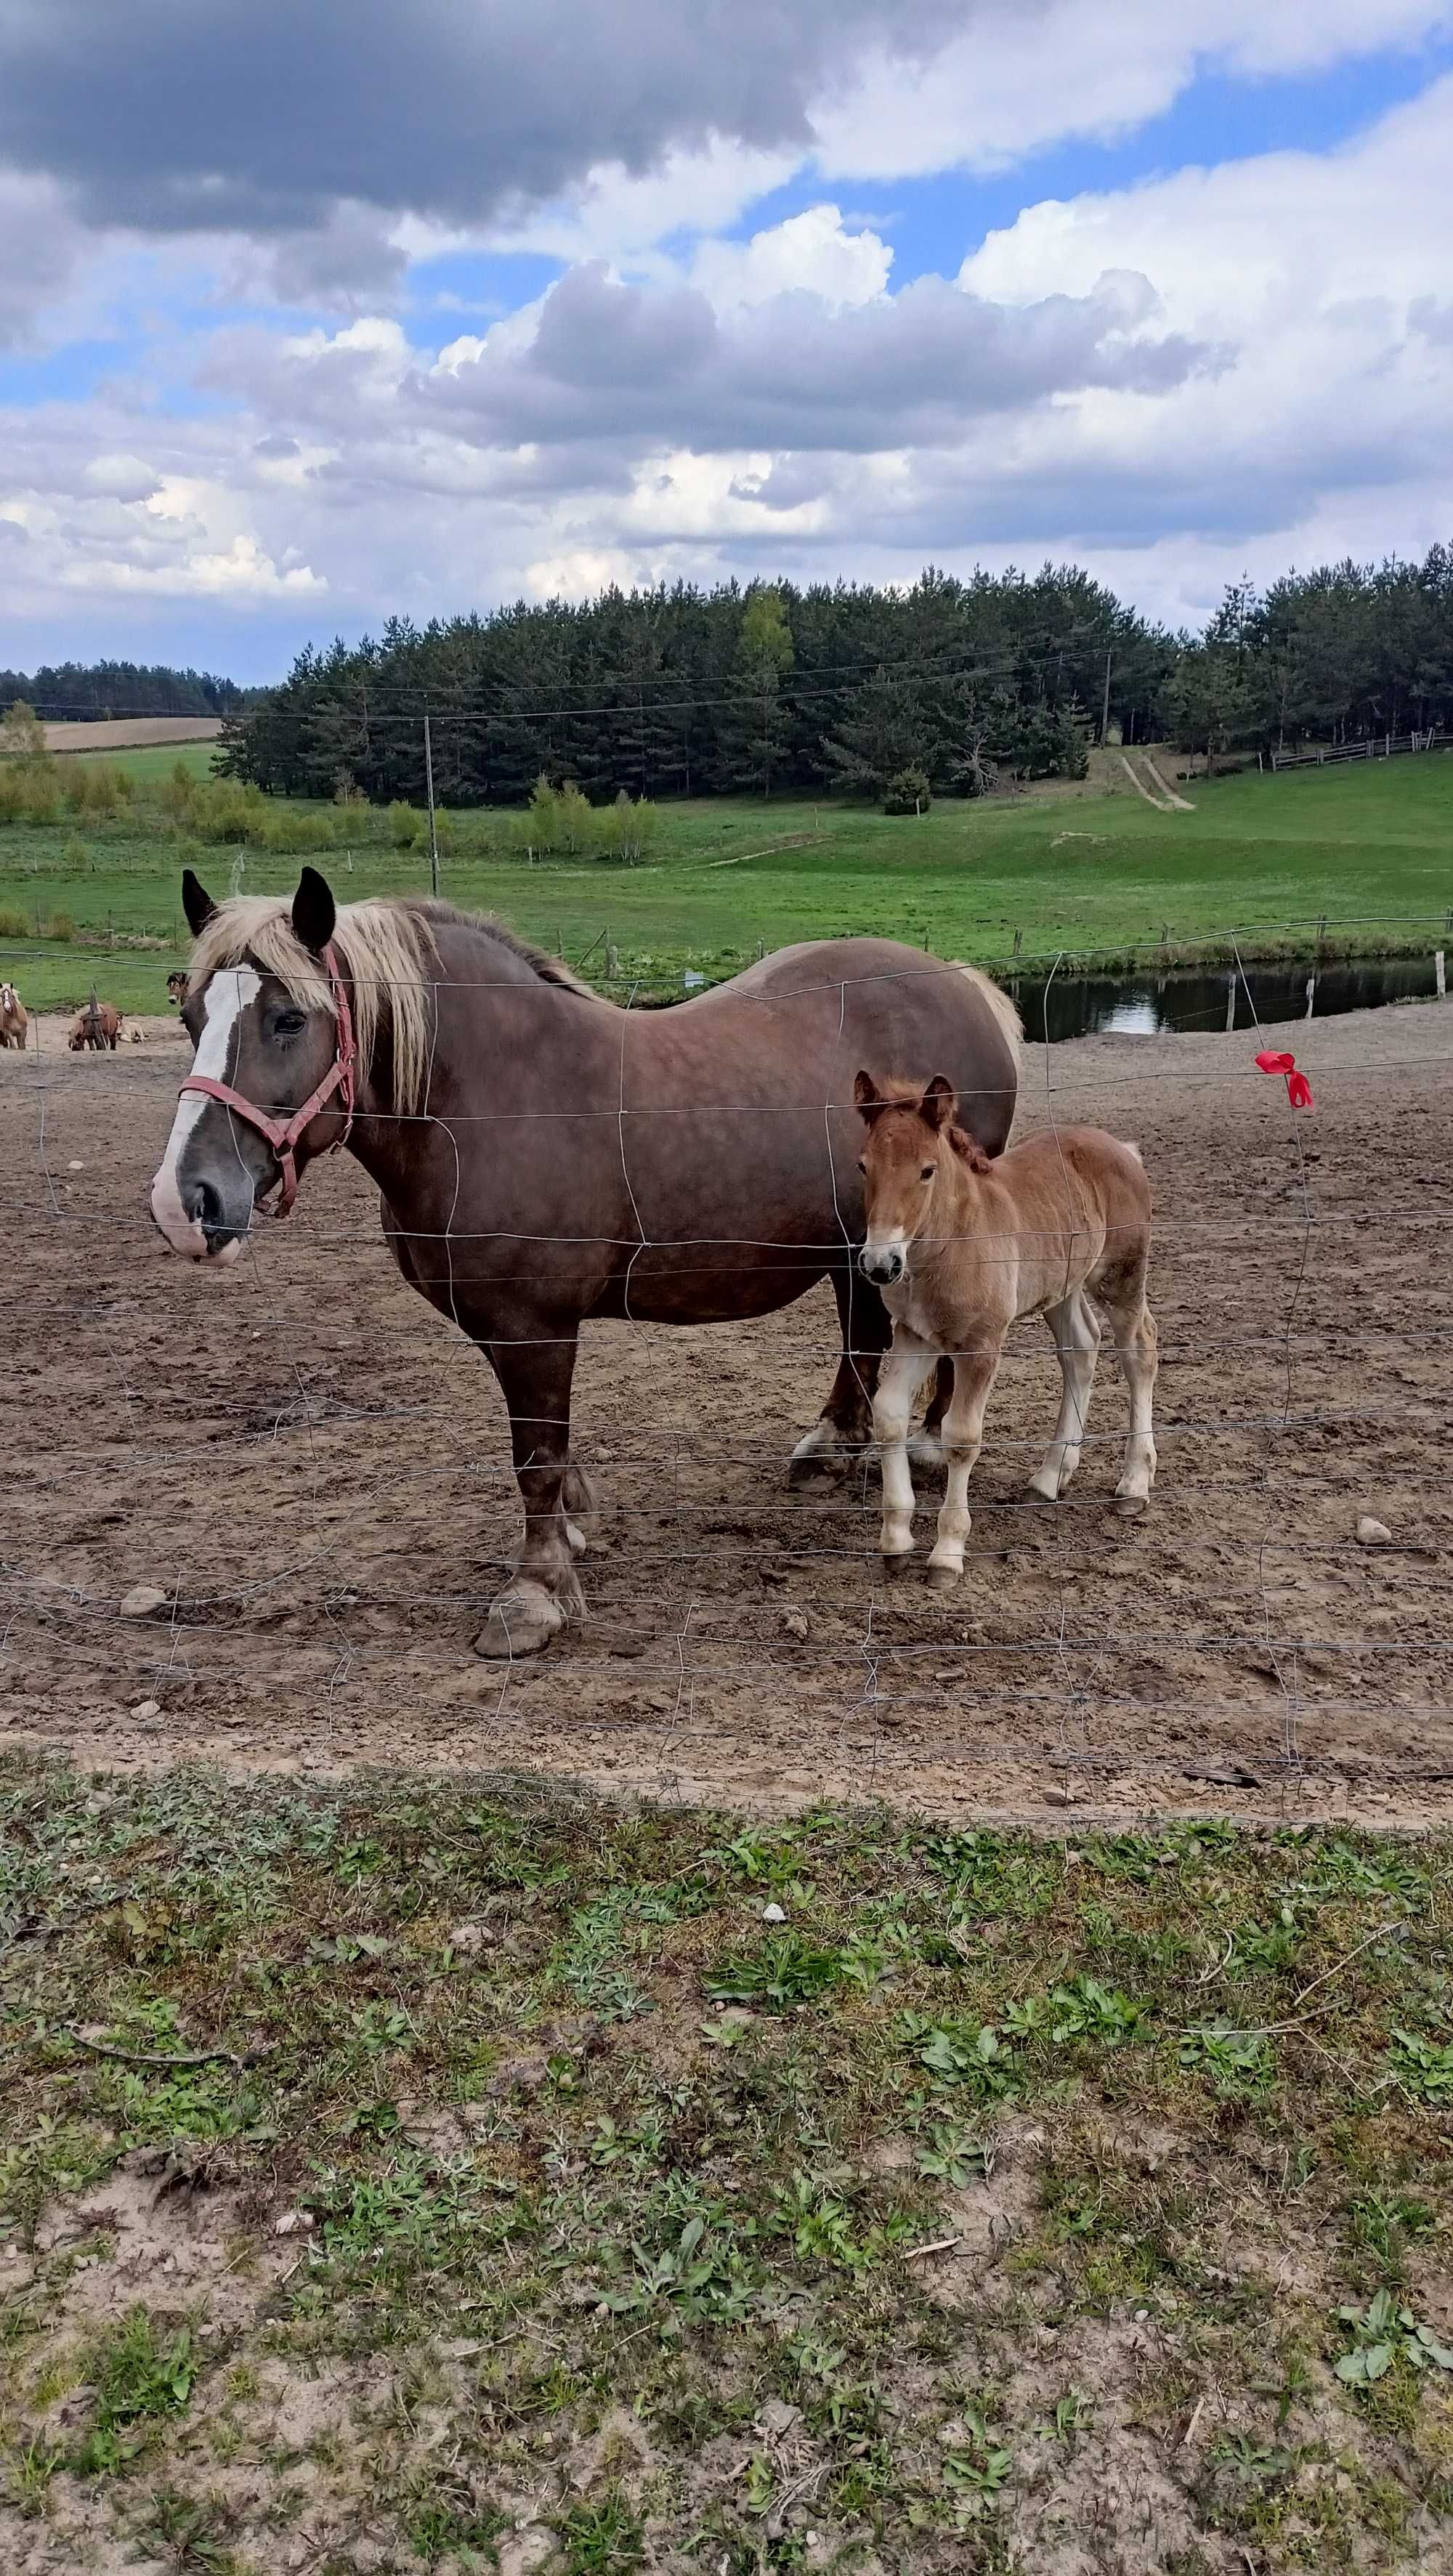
[
  {"x": 925, "y": 1447},
  {"x": 844, "y": 1427},
  {"x": 1077, "y": 1340},
  {"x": 1135, "y": 1342}
]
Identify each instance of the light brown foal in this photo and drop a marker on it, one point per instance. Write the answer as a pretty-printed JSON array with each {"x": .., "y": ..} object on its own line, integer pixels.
[{"x": 959, "y": 1248}]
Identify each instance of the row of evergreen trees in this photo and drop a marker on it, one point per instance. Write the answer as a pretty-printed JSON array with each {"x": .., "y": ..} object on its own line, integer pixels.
[
  {"x": 86, "y": 690},
  {"x": 680, "y": 691}
]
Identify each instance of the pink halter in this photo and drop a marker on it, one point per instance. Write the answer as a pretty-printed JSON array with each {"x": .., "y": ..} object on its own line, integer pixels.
[{"x": 283, "y": 1134}]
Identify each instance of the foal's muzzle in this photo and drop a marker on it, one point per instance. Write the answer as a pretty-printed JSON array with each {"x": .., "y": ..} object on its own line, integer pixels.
[{"x": 884, "y": 1268}]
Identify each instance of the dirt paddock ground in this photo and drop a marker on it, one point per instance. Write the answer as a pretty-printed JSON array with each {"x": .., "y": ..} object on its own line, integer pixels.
[{"x": 313, "y": 1469}]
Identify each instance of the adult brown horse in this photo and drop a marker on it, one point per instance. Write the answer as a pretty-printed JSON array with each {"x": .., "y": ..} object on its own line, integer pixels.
[{"x": 544, "y": 1156}]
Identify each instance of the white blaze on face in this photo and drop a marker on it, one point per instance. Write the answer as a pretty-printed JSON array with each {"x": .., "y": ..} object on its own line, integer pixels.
[{"x": 228, "y": 995}]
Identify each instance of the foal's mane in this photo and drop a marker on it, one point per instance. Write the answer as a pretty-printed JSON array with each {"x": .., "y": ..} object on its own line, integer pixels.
[{"x": 388, "y": 951}]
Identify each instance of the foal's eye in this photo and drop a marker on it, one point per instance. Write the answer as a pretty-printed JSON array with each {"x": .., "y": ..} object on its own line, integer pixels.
[
  {"x": 927, "y": 1172},
  {"x": 862, "y": 1163},
  {"x": 290, "y": 1024}
]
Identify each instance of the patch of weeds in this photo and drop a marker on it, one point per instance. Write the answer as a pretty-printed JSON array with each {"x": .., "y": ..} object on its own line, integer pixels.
[
  {"x": 1258, "y": 1953},
  {"x": 965, "y": 2053},
  {"x": 1240, "y": 2064},
  {"x": 601, "y": 2538},
  {"x": 784, "y": 1970},
  {"x": 1087, "y": 2009},
  {"x": 28, "y": 2475},
  {"x": 1422, "y": 2068},
  {"x": 954, "y": 2155},
  {"x": 192, "y": 2534},
  {"x": 137, "y": 2380},
  {"x": 975, "y": 2474},
  {"x": 1383, "y": 2333},
  {"x": 1383, "y": 2224},
  {"x": 57, "y": 2156},
  {"x": 451, "y": 2525},
  {"x": 706, "y": 2273}
]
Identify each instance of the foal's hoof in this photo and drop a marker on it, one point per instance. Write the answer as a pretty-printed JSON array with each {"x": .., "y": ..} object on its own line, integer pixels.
[
  {"x": 1037, "y": 1494},
  {"x": 1131, "y": 1507},
  {"x": 925, "y": 1451},
  {"x": 895, "y": 1567},
  {"x": 521, "y": 1622},
  {"x": 942, "y": 1578}
]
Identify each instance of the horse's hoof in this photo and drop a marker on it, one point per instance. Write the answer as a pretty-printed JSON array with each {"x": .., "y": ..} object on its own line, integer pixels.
[
  {"x": 576, "y": 1537},
  {"x": 942, "y": 1578},
  {"x": 521, "y": 1622},
  {"x": 895, "y": 1567},
  {"x": 1131, "y": 1507},
  {"x": 1037, "y": 1494},
  {"x": 925, "y": 1452}
]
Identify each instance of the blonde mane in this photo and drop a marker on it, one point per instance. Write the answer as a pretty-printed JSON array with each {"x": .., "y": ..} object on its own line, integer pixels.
[{"x": 385, "y": 949}]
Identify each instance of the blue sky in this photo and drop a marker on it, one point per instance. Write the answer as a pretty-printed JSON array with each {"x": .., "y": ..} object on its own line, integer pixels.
[{"x": 875, "y": 282}]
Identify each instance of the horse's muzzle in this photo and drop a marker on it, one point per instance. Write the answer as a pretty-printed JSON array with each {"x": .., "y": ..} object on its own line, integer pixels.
[{"x": 884, "y": 1267}]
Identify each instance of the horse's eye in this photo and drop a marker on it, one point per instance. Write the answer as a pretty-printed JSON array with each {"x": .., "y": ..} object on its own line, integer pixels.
[
  {"x": 927, "y": 1172},
  {"x": 862, "y": 1162},
  {"x": 290, "y": 1024}
]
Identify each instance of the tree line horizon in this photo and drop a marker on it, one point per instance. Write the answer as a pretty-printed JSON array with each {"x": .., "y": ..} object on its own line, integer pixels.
[{"x": 943, "y": 686}]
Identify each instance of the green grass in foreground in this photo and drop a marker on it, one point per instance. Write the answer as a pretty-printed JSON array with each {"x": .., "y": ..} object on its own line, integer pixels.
[
  {"x": 1091, "y": 873},
  {"x": 407, "y": 2176}
]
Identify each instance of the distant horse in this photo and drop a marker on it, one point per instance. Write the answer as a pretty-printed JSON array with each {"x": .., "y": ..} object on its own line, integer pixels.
[
  {"x": 176, "y": 989},
  {"x": 961, "y": 1247},
  {"x": 545, "y": 1157},
  {"x": 14, "y": 1019},
  {"x": 98, "y": 1026}
]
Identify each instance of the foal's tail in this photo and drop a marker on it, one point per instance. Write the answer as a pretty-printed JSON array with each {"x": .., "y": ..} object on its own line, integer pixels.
[{"x": 1010, "y": 1024}]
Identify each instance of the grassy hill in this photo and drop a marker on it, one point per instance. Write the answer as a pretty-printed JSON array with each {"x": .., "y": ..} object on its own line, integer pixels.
[{"x": 1092, "y": 870}]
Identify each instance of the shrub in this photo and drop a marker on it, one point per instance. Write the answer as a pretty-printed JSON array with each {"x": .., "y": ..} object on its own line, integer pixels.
[
  {"x": 75, "y": 855},
  {"x": 13, "y": 924},
  {"x": 909, "y": 793},
  {"x": 625, "y": 831},
  {"x": 60, "y": 926},
  {"x": 405, "y": 825}
]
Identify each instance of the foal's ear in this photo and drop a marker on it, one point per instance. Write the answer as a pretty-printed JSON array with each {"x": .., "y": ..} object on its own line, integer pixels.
[
  {"x": 866, "y": 1098},
  {"x": 314, "y": 912},
  {"x": 197, "y": 904},
  {"x": 937, "y": 1104}
]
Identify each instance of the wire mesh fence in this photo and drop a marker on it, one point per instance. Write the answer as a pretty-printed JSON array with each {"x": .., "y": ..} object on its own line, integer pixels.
[{"x": 264, "y": 1514}]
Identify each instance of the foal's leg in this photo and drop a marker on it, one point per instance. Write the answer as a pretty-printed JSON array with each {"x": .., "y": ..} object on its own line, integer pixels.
[
  {"x": 899, "y": 1379},
  {"x": 844, "y": 1426},
  {"x": 1076, "y": 1333},
  {"x": 926, "y": 1446},
  {"x": 535, "y": 1377},
  {"x": 1135, "y": 1342},
  {"x": 963, "y": 1438}
]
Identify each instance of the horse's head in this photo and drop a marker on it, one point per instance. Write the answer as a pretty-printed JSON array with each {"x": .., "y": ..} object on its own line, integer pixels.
[
  {"x": 269, "y": 1057},
  {"x": 912, "y": 1138}
]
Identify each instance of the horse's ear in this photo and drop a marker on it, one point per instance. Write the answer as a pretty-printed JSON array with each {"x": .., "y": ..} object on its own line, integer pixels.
[
  {"x": 937, "y": 1104},
  {"x": 197, "y": 904},
  {"x": 314, "y": 912},
  {"x": 866, "y": 1099}
]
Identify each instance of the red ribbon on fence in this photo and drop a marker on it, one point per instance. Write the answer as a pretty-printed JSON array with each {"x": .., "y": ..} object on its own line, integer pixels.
[{"x": 1299, "y": 1090}]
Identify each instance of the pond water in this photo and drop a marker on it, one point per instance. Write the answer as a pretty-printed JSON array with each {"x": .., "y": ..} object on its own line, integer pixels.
[{"x": 1139, "y": 1005}]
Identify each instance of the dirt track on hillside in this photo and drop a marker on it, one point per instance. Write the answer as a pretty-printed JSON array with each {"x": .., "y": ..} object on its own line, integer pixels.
[{"x": 313, "y": 1468}]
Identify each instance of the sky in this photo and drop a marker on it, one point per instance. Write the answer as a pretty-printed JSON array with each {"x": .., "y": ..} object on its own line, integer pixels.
[{"x": 311, "y": 314}]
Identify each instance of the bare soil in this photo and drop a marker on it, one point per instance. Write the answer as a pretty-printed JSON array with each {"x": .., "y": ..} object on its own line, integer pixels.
[
  {"x": 313, "y": 1469},
  {"x": 130, "y": 733}
]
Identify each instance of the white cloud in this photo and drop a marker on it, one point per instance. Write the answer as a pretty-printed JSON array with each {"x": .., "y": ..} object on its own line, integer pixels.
[{"x": 813, "y": 253}]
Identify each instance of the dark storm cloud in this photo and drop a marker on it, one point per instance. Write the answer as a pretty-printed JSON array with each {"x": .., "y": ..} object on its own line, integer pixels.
[
  {"x": 661, "y": 368},
  {"x": 259, "y": 115}
]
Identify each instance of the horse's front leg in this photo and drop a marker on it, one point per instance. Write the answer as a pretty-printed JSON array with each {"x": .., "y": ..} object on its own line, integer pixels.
[
  {"x": 963, "y": 1438},
  {"x": 899, "y": 1379},
  {"x": 844, "y": 1427},
  {"x": 535, "y": 1376}
]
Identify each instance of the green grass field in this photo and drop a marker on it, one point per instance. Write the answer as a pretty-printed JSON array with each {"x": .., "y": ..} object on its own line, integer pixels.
[
  {"x": 416, "y": 2176},
  {"x": 1093, "y": 872}
]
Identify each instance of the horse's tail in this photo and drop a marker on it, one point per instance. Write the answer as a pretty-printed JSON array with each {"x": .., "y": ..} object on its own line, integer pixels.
[{"x": 1008, "y": 1019}]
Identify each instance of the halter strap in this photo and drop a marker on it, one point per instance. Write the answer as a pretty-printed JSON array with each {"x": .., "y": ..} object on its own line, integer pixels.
[{"x": 284, "y": 1134}]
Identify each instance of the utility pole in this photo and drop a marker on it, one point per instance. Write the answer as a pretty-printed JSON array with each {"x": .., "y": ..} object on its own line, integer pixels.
[
  {"x": 429, "y": 792},
  {"x": 1105, "y": 706}
]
